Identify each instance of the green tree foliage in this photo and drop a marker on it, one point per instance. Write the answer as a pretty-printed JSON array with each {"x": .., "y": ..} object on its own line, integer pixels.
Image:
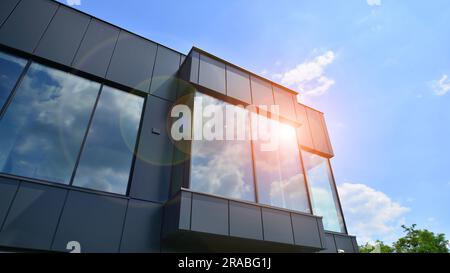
[
  {"x": 383, "y": 248},
  {"x": 414, "y": 241},
  {"x": 421, "y": 241}
]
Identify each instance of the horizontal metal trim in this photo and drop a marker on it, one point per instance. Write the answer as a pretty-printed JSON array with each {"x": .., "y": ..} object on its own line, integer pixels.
[{"x": 73, "y": 188}]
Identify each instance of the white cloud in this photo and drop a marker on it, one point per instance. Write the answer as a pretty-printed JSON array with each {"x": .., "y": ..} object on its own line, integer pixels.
[
  {"x": 373, "y": 3},
  {"x": 370, "y": 214},
  {"x": 441, "y": 86},
  {"x": 73, "y": 2},
  {"x": 308, "y": 77}
]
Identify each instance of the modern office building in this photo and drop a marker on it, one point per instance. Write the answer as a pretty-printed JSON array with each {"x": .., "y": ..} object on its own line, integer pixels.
[{"x": 88, "y": 159}]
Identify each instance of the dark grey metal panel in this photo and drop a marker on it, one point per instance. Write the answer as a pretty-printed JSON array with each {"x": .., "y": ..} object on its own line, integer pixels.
[
  {"x": 355, "y": 245},
  {"x": 212, "y": 74},
  {"x": 96, "y": 49},
  {"x": 164, "y": 81},
  {"x": 321, "y": 232},
  {"x": 185, "y": 211},
  {"x": 27, "y": 23},
  {"x": 344, "y": 243},
  {"x": 33, "y": 217},
  {"x": 245, "y": 221},
  {"x": 171, "y": 215},
  {"x": 277, "y": 226},
  {"x": 262, "y": 93},
  {"x": 209, "y": 214},
  {"x": 142, "y": 228},
  {"x": 63, "y": 36},
  {"x": 177, "y": 213},
  {"x": 238, "y": 85},
  {"x": 132, "y": 62},
  {"x": 286, "y": 102},
  {"x": 306, "y": 231},
  {"x": 8, "y": 189},
  {"x": 6, "y": 7},
  {"x": 180, "y": 156},
  {"x": 330, "y": 245},
  {"x": 152, "y": 169},
  {"x": 194, "y": 60},
  {"x": 93, "y": 220}
]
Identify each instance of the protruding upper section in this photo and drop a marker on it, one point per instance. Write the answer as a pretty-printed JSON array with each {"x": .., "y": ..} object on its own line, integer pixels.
[{"x": 217, "y": 76}]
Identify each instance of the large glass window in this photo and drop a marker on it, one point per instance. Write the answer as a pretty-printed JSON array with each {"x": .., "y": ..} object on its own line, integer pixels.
[
  {"x": 105, "y": 162},
  {"x": 323, "y": 193},
  {"x": 43, "y": 128},
  {"x": 221, "y": 166},
  {"x": 278, "y": 171},
  {"x": 10, "y": 69}
]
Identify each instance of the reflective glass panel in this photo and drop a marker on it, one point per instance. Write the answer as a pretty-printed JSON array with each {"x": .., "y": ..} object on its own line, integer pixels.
[
  {"x": 323, "y": 193},
  {"x": 222, "y": 167},
  {"x": 43, "y": 127},
  {"x": 279, "y": 174},
  {"x": 107, "y": 156},
  {"x": 10, "y": 69}
]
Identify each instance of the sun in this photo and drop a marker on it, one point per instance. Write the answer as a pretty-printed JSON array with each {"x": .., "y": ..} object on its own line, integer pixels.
[{"x": 286, "y": 131}]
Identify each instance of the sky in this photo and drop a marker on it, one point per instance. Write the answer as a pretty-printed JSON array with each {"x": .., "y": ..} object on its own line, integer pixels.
[{"x": 378, "y": 69}]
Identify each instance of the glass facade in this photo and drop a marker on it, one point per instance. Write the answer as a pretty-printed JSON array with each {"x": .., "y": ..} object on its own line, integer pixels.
[
  {"x": 222, "y": 167},
  {"x": 281, "y": 178},
  {"x": 279, "y": 174},
  {"x": 62, "y": 128},
  {"x": 106, "y": 159},
  {"x": 43, "y": 127},
  {"x": 10, "y": 69},
  {"x": 323, "y": 193}
]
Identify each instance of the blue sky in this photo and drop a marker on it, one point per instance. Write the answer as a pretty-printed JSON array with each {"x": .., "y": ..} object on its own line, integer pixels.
[{"x": 378, "y": 69}]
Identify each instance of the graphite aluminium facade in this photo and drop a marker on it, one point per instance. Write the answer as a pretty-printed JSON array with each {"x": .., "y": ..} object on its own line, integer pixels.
[{"x": 88, "y": 160}]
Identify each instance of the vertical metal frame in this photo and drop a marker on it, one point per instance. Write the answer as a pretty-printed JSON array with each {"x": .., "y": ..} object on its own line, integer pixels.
[
  {"x": 83, "y": 142},
  {"x": 307, "y": 185},
  {"x": 136, "y": 145},
  {"x": 252, "y": 151},
  {"x": 15, "y": 86},
  {"x": 338, "y": 199},
  {"x": 135, "y": 148}
]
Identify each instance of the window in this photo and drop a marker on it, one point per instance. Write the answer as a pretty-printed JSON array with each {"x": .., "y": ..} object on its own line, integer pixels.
[
  {"x": 222, "y": 167},
  {"x": 43, "y": 127},
  {"x": 106, "y": 159},
  {"x": 323, "y": 193},
  {"x": 278, "y": 171},
  {"x": 10, "y": 69}
]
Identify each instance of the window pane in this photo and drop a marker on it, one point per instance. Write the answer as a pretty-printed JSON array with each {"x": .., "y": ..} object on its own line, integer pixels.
[
  {"x": 278, "y": 168},
  {"x": 221, "y": 167},
  {"x": 42, "y": 130},
  {"x": 10, "y": 69},
  {"x": 106, "y": 159},
  {"x": 324, "y": 198}
]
